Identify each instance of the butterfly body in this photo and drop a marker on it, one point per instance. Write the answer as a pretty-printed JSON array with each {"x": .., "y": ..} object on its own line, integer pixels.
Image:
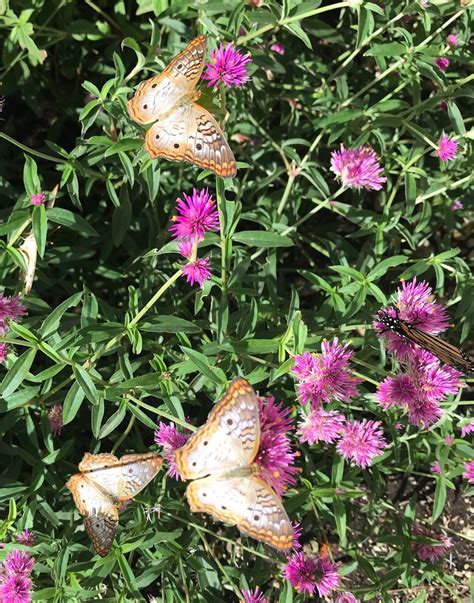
[
  {"x": 103, "y": 482},
  {"x": 182, "y": 129},
  {"x": 446, "y": 352},
  {"x": 220, "y": 456}
]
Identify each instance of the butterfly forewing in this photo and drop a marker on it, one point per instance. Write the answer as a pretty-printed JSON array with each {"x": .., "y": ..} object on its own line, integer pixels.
[
  {"x": 229, "y": 439},
  {"x": 247, "y": 502}
]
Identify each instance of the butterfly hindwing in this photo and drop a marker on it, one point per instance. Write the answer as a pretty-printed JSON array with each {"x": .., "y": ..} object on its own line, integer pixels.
[
  {"x": 101, "y": 529},
  {"x": 246, "y": 501},
  {"x": 228, "y": 440}
]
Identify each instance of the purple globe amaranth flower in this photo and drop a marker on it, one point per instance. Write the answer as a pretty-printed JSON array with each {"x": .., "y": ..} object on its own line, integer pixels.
[
  {"x": 195, "y": 215},
  {"x": 456, "y": 204},
  {"x": 467, "y": 429},
  {"x": 436, "y": 468},
  {"x": 358, "y": 168},
  {"x": 321, "y": 425},
  {"x": 442, "y": 63},
  {"x": 38, "y": 199},
  {"x": 307, "y": 574},
  {"x": 11, "y": 308},
  {"x": 3, "y": 352},
  {"x": 275, "y": 458},
  {"x": 170, "y": 438},
  {"x": 430, "y": 551},
  {"x": 326, "y": 376},
  {"x": 187, "y": 248},
  {"x": 18, "y": 563},
  {"x": 16, "y": 589},
  {"x": 254, "y": 597},
  {"x": 197, "y": 271},
  {"x": 396, "y": 391},
  {"x": 346, "y": 598},
  {"x": 416, "y": 306},
  {"x": 443, "y": 105},
  {"x": 361, "y": 442},
  {"x": 228, "y": 66},
  {"x": 27, "y": 537},
  {"x": 469, "y": 471},
  {"x": 447, "y": 148},
  {"x": 55, "y": 416},
  {"x": 278, "y": 48},
  {"x": 452, "y": 40}
]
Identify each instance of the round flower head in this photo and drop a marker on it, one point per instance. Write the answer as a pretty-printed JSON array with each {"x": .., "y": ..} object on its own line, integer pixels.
[
  {"x": 430, "y": 551},
  {"x": 275, "y": 458},
  {"x": 321, "y": 425},
  {"x": 452, "y": 40},
  {"x": 361, "y": 442},
  {"x": 228, "y": 66},
  {"x": 467, "y": 429},
  {"x": 346, "y": 598},
  {"x": 358, "y": 168},
  {"x": 447, "y": 148},
  {"x": 307, "y": 574},
  {"x": 3, "y": 352},
  {"x": 326, "y": 376},
  {"x": 469, "y": 471},
  {"x": 10, "y": 309},
  {"x": 170, "y": 438},
  {"x": 27, "y": 537},
  {"x": 443, "y": 63},
  {"x": 195, "y": 215},
  {"x": 436, "y": 468},
  {"x": 254, "y": 597},
  {"x": 38, "y": 199},
  {"x": 19, "y": 563},
  {"x": 278, "y": 48},
  {"x": 197, "y": 271},
  {"x": 55, "y": 416},
  {"x": 16, "y": 589},
  {"x": 456, "y": 204}
]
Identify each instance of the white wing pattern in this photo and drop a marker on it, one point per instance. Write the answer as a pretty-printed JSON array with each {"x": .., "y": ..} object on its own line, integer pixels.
[
  {"x": 224, "y": 449},
  {"x": 103, "y": 482}
]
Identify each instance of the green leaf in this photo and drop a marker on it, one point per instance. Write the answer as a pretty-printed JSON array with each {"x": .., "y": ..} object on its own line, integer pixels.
[
  {"x": 72, "y": 402},
  {"x": 30, "y": 176},
  {"x": 439, "y": 499},
  {"x": 113, "y": 421},
  {"x": 201, "y": 362},
  {"x": 71, "y": 220},
  {"x": 169, "y": 324},
  {"x": 383, "y": 266},
  {"x": 126, "y": 144},
  {"x": 51, "y": 323},
  {"x": 40, "y": 228},
  {"x": 86, "y": 383},
  {"x": 262, "y": 238},
  {"x": 341, "y": 520},
  {"x": 392, "y": 49},
  {"x": 17, "y": 373}
]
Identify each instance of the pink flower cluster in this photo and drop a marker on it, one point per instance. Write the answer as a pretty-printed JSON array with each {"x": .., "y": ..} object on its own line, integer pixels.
[
  {"x": 429, "y": 551},
  {"x": 358, "y": 168},
  {"x": 170, "y": 438},
  {"x": 195, "y": 215},
  {"x": 324, "y": 378},
  {"x": 424, "y": 382},
  {"x": 228, "y": 66},
  {"x": 308, "y": 574},
  {"x": 10, "y": 309},
  {"x": 55, "y": 416},
  {"x": 15, "y": 580}
]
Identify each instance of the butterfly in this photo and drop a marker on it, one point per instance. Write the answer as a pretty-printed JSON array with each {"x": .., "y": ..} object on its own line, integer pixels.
[
  {"x": 224, "y": 450},
  {"x": 446, "y": 352},
  {"x": 103, "y": 482},
  {"x": 182, "y": 129}
]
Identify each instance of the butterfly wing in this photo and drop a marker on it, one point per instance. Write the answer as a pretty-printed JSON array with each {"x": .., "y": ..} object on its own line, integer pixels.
[
  {"x": 121, "y": 478},
  {"x": 192, "y": 134},
  {"x": 101, "y": 529},
  {"x": 230, "y": 437},
  {"x": 247, "y": 502},
  {"x": 156, "y": 96}
]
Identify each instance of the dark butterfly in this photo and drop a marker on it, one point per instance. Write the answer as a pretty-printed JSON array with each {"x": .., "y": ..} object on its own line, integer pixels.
[{"x": 446, "y": 352}]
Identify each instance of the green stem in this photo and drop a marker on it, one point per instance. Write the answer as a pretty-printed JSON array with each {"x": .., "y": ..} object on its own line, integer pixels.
[
  {"x": 124, "y": 434},
  {"x": 221, "y": 208},
  {"x": 32, "y": 151},
  {"x": 162, "y": 413}
]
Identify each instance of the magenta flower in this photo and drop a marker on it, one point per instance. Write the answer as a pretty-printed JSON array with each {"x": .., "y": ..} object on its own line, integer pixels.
[
  {"x": 447, "y": 148},
  {"x": 275, "y": 458},
  {"x": 16, "y": 589},
  {"x": 358, "y": 168},
  {"x": 27, "y": 537},
  {"x": 436, "y": 468},
  {"x": 278, "y": 48},
  {"x": 430, "y": 551},
  {"x": 197, "y": 271},
  {"x": 467, "y": 429},
  {"x": 196, "y": 215},
  {"x": 321, "y": 425},
  {"x": 18, "y": 562},
  {"x": 452, "y": 40},
  {"x": 456, "y": 204},
  {"x": 38, "y": 199},
  {"x": 469, "y": 471},
  {"x": 443, "y": 63},
  {"x": 416, "y": 306},
  {"x": 361, "y": 441},
  {"x": 326, "y": 376},
  {"x": 3, "y": 352},
  {"x": 11, "y": 308},
  {"x": 55, "y": 416},
  {"x": 443, "y": 105},
  {"x": 254, "y": 597},
  {"x": 228, "y": 66},
  {"x": 170, "y": 438},
  {"x": 346, "y": 598},
  {"x": 449, "y": 440},
  {"x": 396, "y": 391},
  {"x": 186, "y": 249},
  {"x": 297, "y": 533},
  {"x": 307, "y": 574}
]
